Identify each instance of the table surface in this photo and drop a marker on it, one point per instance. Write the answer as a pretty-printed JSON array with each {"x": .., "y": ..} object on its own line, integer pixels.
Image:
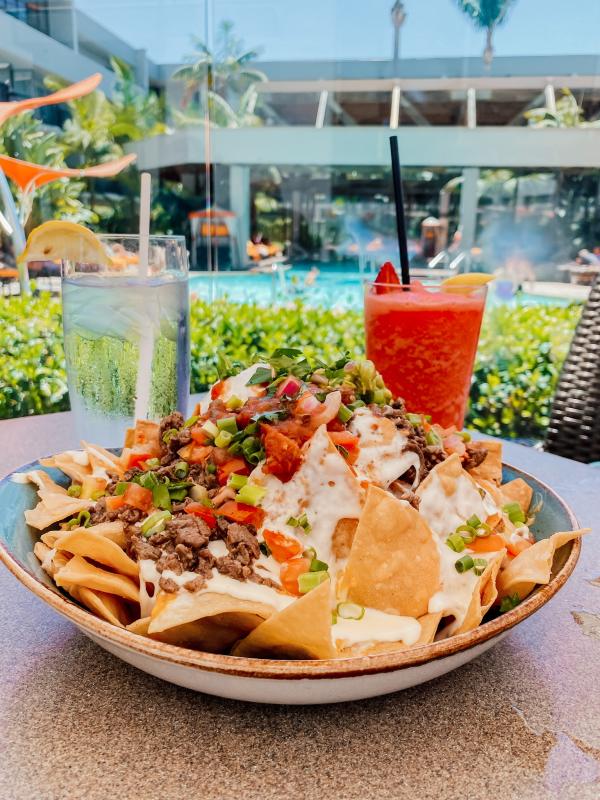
[{"x": 521, "y": 721}]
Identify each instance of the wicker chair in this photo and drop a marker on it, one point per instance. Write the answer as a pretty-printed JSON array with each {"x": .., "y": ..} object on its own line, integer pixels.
[{"x": 574, "y": 429}]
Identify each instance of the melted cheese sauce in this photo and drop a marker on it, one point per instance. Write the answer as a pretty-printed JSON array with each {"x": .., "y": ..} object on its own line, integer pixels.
[
  {"x": 323, "y": 488},
  {"x": 218, "y": 548},
  {"x": 376, "y": 626},
  {"x": 383, "y": 456}
]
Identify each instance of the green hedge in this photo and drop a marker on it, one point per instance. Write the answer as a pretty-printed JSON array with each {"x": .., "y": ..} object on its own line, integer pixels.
[{"x": 520, "y": 354}]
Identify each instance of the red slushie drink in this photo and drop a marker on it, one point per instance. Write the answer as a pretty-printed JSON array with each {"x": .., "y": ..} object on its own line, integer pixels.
[{"x": 423, "y": 340}]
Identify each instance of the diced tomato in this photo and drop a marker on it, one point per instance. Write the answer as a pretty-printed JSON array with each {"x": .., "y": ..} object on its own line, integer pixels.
[
  {"x": 195, "y": 454},
  {"x": 205, "y": 513},
  {"x": 138, "y": 497},
  {"x": 199, "y": 436},
  {"x": 291, "y": 571},
  {"x": 487, "y": 544},
  {"x": 283, "y": 454},
  {"x": 114, "y": 503},
  {"x": 217, "y": 390},
  {"x": 349, "y": 442},
  {"x": 220, "y": 456},
  {"x": 388, "y": 278},
  {"x": 254, "y": 406},
  {"x": 281, "y": 546},
  {"x": 138, "y": 460},
  {"x": 514, "y": 548},
  {"x": 236, "y": 465},
  {"x": 336, "y": 425},
  {"x": 242, "y": 513}
]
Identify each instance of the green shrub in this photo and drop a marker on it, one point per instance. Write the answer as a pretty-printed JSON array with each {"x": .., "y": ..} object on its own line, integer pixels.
[{"x": 520, "y": 355}]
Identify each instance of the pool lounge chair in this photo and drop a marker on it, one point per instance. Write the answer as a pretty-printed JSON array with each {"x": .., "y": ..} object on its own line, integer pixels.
[{"x": 574, "y": 428}]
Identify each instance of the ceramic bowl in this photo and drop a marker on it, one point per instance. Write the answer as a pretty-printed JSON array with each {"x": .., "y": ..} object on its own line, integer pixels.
[{"x": 272, "y": 681}]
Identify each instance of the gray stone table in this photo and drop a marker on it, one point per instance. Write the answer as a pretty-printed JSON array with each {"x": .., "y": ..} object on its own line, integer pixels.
[{"x": 520, "y": 722}]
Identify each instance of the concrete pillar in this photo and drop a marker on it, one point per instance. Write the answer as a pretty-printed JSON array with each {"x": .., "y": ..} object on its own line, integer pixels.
[
  {"x": 62, "y": 21},
  {"x": 239, "y": 193},
  {"x": 141, "y": 69},
  {"x": 468, "y": 207}
]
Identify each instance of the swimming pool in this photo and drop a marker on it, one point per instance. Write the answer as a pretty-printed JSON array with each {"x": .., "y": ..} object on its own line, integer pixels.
[{"x": 336, "y": 286}]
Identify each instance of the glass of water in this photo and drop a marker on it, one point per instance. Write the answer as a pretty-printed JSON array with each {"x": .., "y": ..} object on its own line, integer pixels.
[{"x": 126, "y": 333}]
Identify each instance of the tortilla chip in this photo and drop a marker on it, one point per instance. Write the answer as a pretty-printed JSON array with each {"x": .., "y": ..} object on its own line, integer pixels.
[
  {"x": 51, "y": 561},
  {"x": 145, "y": 437},
  {"x": 301, "y": 630},
  {"x": 533, "y": 566},
  {"x": 203, "y": 634},
  {"x": 429, "y": 625},
  {"x": 90, "y": 544},
  {"x": 342, "y": 538},
  {"x": 484, "y": 595},
  {"x": 66, "y": 463},
  {"x": 106, "y": 606},
  {"x": 517, "y": 491},
  {"x": 394, "y": 565},
  {"x": 491, "y": 468},
  {"x": 176, "y": 608},
  {"x": 44, "y": 482},
  {"x": 54, "y": 508},
  {"x": 493, "y": 490},
  {"x": 77, "y": 571},
  {"x": 102, "y": 461}
]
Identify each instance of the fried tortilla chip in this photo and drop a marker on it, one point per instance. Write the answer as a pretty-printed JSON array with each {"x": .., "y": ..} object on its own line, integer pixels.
[
  {"x": 69, "y": 462},
  {"x": 484, "y": 595},
  {"x": 301, "y": 630},
  {"x": 102, "y": 462},
  {"x": 394, "y": 564},
  {"x": 343, "y": 536},
  {"x": 104, "y": 605},
  {"x": 491, "y": 468},
  {"x": 429, "y": 625},
  {"x": 204, "y": 634},
  {"x": 533, "y": 566},
  {"x": 517, "y": 491},
  {"x": 90, "y": 544},
  {"x": 77, "y": 571},
  {"x": 176, "y": 608},
  {"x": 145, "y": 437},
  {"x": 54, "y": 507}
]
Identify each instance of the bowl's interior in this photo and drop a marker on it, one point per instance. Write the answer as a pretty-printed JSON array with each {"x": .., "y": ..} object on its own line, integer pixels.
[{"x": 17, "y": 540}]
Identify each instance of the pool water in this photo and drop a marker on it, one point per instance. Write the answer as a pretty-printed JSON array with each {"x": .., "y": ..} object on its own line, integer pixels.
[{"x": 339, "y": 286}]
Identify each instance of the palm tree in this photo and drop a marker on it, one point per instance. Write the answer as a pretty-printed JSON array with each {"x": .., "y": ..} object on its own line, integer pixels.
[
  {"x": 220, "y": 78},
  {"x": 487, "y": 15}
]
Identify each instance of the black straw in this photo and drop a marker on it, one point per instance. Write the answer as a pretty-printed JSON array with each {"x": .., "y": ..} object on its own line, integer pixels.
[{"x": 399, "y": 203}]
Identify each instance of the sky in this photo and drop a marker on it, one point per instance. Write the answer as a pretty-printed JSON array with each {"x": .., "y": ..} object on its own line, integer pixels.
[{"x": 349, "y": 29}]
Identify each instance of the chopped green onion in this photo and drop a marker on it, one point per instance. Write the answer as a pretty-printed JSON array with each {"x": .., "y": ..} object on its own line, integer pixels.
[
  {"x": 251, "y": 494},
  {"x": 350, "y": 611},
  {"x": 161, "y": 497},
  {"x": 433, "y": 439},
  {"x": 481, "y": 492},
  {"x": 237, "y": 481},
  {"x": 178, "y": 495},
  {"x": 83, "y": 519},
  {"x": 147, "y": 479},
  {"x": 467, "y": 533},
  {"x": 344, "y": 414},
  {"x": 473, "y": 521},
  {"x": 304, "y": 523},
  {"x": 318, "y": 566},
  {"x": 223, "y": 439},
  {"x": 234, "y": 403},
  {"x": 466, "y": 437},
  {"x": 264, "y": 549},
  {"x": 74, "y": 490},
  {"x": 455, "y": 542},
  {"x": 380, "y": 397},
  {"x": 334, "y": 618},
  {"x": 342, "y": 450},
  {"x": 415, "y": 419},
  {"x": 356, "y": 404},
  {"x": 168, "y": 435},
  {"x": 310, "y": 580},
  {"x": 153, "y": 463},
  {"x": 210, "y": 428},
  {"x": 509, "y": 602},
  {"x": 483, "y": 530},
  {"x": 256, "y": 457},
  {"x": 310, "y": 552},
  {"x": 153, "y": 521},
  {"x": 97, "y": 495},
  {"x": 321, "y": 396},
  {"x": 210, "y": 468},
  {"x": 479, "y": 565},
  {"x": 292, "y": 522},
  {"x": 464, "y": 564},
  {"x": 121, "y": 488},
  {"x": 181, "y": 469},
  {"x": 72, "y": 523},
  {"x": 251, "y": 429},
  {"x": 227, "y": 424},
  {"x": 235, "y": 448},
  {"x": 191, "y": 421},
  {"x": 515, "y": 513}
]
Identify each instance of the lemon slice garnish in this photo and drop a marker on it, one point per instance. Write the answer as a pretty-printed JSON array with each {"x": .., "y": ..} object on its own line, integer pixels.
[
  {"x": 58, "y": 240},
  {"x": 470, "y": 279}
]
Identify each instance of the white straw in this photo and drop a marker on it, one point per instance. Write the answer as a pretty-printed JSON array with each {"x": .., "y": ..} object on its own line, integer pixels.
[{"x": 145, "y": 191}]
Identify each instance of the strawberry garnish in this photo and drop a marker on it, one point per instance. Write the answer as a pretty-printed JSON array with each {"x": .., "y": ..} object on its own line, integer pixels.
[{"x": 387, "y": 278}]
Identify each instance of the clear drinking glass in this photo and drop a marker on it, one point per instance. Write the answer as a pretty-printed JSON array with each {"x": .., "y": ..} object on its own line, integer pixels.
[{"x": 126, "y": 333}]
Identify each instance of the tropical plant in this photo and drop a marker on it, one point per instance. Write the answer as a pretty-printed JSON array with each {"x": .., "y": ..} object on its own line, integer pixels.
[
  {"x": 566, "y": 114},
  {"x": 487, "y": 15},
  {"x": 220, "y": 84},
  {"x": 138, "y": 114}
]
